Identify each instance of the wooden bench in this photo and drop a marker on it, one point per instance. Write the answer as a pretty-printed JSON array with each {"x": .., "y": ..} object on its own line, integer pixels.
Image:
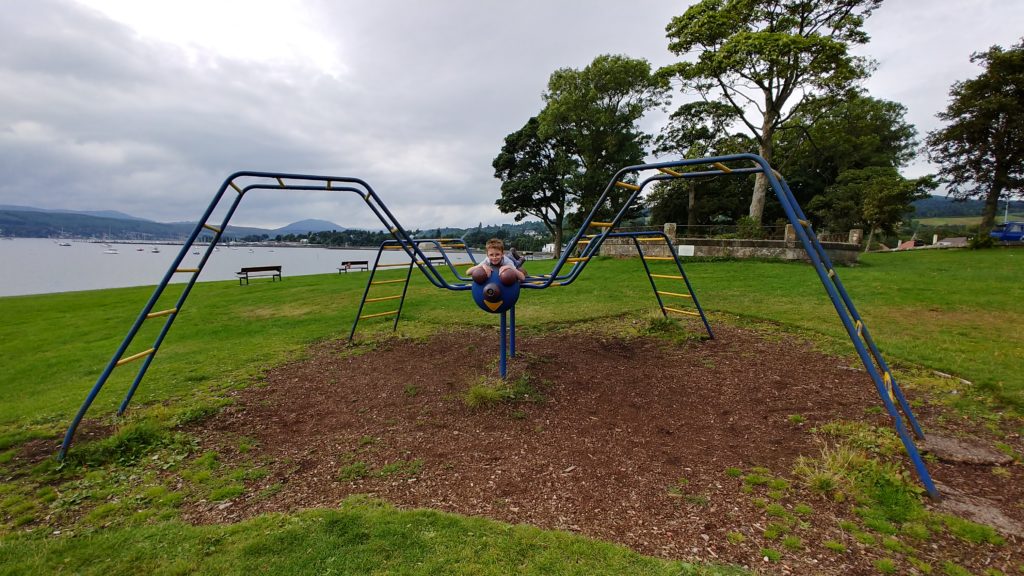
[
  {"x": 245, "y": 273},
  {"x": 347, "y": 265}
]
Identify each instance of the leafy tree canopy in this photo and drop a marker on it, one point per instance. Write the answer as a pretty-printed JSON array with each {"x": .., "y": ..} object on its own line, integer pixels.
[
  {"x": 595, "y": 112},
  {"x": 764, "y": 58},
  {"x": 981, "y": 151}
]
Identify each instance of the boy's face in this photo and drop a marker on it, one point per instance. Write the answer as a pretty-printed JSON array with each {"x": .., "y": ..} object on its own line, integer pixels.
[{"x": 494, "y": 255}]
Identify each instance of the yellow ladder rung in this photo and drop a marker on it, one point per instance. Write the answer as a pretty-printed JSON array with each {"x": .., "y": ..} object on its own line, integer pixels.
[
  {"x": 161, "y": 313},
  {"x": 674, "y": 294},
  {"x": 135, "y": 356},
  {"x": 386, "y": 282},
  {"x": 187, "y": 270},
  {"x": 658, "y": 258},
  {"x": 390, "y": 265},
  {"x": 804, "y": 222},
  {"x": 666, "y": 276},
  {"x": 627, "y": 185},
  {"x": 365, "y": 316},
  {"x": 678, "y": 311},
  {"x": 601, "y": 224},
  {"x": 235, "y": 186},
  {"x": 214, "y": 228},
  {"x": 670, "y": 172},
  {"x": 584, "y": 242},
  {"x": 650, "y": 239},
  {"x": 831, "y": 273},
  {"x": 383, "y": 298},
  {"x": 577, "y": 259},
  {"x": 722, "y": 167}
]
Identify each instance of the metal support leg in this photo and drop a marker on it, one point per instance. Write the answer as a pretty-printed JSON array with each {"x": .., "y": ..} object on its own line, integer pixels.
[{"x": 502, "y": 361}]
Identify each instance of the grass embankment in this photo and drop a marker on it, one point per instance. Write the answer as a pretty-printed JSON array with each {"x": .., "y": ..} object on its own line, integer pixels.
[{"x": 953, "y": 311}]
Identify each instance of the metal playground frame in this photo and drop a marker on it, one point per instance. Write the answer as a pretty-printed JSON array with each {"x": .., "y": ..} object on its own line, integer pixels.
[{"x": 583, "y": 246}]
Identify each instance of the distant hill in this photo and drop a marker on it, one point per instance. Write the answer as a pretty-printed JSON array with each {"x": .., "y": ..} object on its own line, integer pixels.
[
  {"x": 939, "y": 206},
  {"x": 99, "y": 213},
  {"x": 28, "y": 222},
  {"x": 307, "y": 226}
]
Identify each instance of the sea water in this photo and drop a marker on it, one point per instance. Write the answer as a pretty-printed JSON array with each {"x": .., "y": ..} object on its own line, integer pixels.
[{"x": 40, "y": 265}]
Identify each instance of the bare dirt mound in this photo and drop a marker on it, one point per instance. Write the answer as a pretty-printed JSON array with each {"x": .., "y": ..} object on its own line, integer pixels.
[{"x": 626, "y": 440}]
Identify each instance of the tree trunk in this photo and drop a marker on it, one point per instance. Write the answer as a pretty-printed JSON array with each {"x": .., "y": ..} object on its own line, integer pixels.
[
  {"x": 765, "y": 148},
  {"x": 557, "y": 238},
  {"x": 691, "y": 209},
  {"x": 871, "y": 236},
  {"x": 988, "y": 215}
]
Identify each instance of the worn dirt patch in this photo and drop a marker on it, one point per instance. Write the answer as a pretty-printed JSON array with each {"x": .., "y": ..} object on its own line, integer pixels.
[{"x": 631, "y": 443}]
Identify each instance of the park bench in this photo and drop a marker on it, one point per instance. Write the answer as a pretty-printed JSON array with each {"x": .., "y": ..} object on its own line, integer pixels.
[
  {"x": 347, "y": 265},
  {"x": 245, "y": 273}
]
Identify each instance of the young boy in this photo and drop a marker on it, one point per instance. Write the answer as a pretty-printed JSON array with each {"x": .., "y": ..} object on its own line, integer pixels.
[{"x": 497, "y": 260}]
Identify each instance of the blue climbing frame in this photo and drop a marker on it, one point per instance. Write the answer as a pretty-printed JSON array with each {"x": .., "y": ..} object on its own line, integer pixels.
[{"x": 565, "y": 271}]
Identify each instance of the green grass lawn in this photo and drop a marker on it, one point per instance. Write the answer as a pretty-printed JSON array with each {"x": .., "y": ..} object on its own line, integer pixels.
[{"x": 954, "y": 311}]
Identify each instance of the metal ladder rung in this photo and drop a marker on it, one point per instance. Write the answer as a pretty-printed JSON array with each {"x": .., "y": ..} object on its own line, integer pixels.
[
  {"x": 601, "y": 224},
  {"x": 383, "y": 298},
  {"x": 627, "y": 185},
  {"x": 650, "y": 239},
  {"x": 577, "y": 259},
  {"x": 678, "y": 311},
  {"x": 666, "y": 276},
  {"x": 386, "y": 282},
  {"x": 134, "y": 357},
  {"x": 670, "y": 172},
  {"x": 722, "y": 167},
  {"x": 658, "y": 258},
  {"x": 390, "y": 265},
  {"x": 214, "y": 228},
  {"x": 389, "y": 313},
  {"x": 675, "y": 294},
  {"x": 187, "y": 270},
  {"x": 161, "y": 313}
]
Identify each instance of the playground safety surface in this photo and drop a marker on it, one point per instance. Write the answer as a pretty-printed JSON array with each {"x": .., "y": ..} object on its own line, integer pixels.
[{"x": 629, "y": 441}]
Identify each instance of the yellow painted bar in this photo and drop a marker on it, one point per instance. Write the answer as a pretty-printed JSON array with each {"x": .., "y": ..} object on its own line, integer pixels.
[
  {"x": 670, "y": 172},
  {"x": 328, "y": 184},
  {"x": 804, "y": 222},
  {"x": 722, "y": 167},
  {"x": 831, "y": 273},
  {"x": 386, "y": 282},
  {"x": 577, "y": 259},
  {"x": 391, "y": 313},
  {"x": 887, "y": 378},
  {"x": 674, "y": 294},
  {"x": 383, "y": 298},
  {"x": 394, "y": 229},
  {"x": 390, "y": 265},
  {"x": 161, "y": 313},
  {"x": 627, "y": 185},
  {"x": 214, "y": 228},
  {"x": 859, "y": 326},
  {"x": 237, "y": 189},
  {"x": 666, "y": 276},
  {"x": 678, "y": 311},
  {"x": 281, "y": 182},
  {"x": 135, "y": 356},
  {"x": 601, "y": 224},
  {"x": 658, "y": 258},
  {"x": 366, "y": 197},
  {"x": 583, "y": 242},
  {"x": 650, "y": 239},
  {"x": 187, "y": 270}
]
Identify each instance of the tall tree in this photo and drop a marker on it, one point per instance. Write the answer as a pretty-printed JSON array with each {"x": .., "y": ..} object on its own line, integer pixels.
[
  {"x": 828, "y": 136},
  {"x": 533, "y": 173},
  {"x": 694, "y": 130},
  {"x": 765, "y": 58},
  {"x": 596, "y": 111},
  {"x": 875, "y": 198},
  {"x": 981, "y": 151}
]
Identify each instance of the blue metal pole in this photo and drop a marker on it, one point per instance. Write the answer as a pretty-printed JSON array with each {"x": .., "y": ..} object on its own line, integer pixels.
[
  {"x": 512, "y": 330},
  {"x": 502, "y": 361}
]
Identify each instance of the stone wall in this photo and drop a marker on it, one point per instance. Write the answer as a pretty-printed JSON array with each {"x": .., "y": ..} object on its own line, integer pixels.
[{"x": 838, "y": 252}]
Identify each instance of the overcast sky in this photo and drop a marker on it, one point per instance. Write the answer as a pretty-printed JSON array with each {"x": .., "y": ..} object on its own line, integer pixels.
[{"x": 145, "y": 107}]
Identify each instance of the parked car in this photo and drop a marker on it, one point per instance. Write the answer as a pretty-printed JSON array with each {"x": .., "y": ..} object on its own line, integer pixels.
[{"x": 1008, "y": 232}]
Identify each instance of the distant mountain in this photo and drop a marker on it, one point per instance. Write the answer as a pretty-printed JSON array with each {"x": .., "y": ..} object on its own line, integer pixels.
[
  {"x": 940, "y": 206},
  {"x": 98, "y": 213},
  {"x": 307, "y": 226}
]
